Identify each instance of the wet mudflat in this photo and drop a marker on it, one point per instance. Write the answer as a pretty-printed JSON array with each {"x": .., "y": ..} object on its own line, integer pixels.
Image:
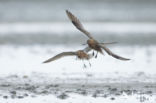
[{"x": 16, "y": 87}]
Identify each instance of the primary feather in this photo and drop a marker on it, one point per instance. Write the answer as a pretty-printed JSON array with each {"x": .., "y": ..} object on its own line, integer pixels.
[
  {"x": 77, "y": 23},
  {"x": 58, "y": 56},
  {"x": 112, "y": 54}
]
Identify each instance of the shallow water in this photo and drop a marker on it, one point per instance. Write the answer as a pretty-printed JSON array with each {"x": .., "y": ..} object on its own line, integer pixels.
[
  {"x": 99, "y": 10},
  {"x": 25, "y": 78},
  {"x": 31, "y": 57},
  {"x": 54, "y": 33}
]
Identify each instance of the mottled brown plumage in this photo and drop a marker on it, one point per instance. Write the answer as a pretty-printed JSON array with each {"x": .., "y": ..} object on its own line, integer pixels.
[
  {"x": 82, "y": 55},
  {"x": 92, "y": 43}
]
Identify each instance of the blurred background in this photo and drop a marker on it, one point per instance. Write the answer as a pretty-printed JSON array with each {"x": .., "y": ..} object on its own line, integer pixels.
[{"x": 32, "y": 31}]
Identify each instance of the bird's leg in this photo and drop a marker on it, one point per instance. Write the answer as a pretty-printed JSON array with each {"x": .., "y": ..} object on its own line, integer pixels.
[
  {"x": 84, "y": 65},
  {"x": 93, "y": 53},
  {"x": 89, "y": 63},
  {"x": 96, "y": 54}
]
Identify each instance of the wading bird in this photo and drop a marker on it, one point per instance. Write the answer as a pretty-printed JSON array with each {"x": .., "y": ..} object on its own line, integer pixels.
[
  {"x": 80, "y": 54},
  {"x": 92, "y": 43}
]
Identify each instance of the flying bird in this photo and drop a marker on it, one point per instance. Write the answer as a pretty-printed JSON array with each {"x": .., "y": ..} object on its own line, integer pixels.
[
  {"x": 80, "y": 54},
  {"x": 92, "y": 43}
]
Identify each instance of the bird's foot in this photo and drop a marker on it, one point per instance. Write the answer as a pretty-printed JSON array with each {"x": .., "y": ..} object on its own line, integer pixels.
[
  {"x": 90, "y": 64},
  {"x": 84, "y": 66},
  {"x": 96, "y": 55},
  {"x": 93, "y": 53}
]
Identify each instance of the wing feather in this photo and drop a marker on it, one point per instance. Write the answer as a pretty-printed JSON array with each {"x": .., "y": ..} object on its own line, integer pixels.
[
  {"x": 112, "y": 54},
  {"x": 58, "y": 56},
  {"x": 77, "y": 23},
  {"x": 107, "y": 43}
]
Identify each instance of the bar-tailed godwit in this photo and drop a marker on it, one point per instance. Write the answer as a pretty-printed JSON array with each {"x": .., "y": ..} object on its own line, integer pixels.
[
  {"x": 92, "y": 43},
  {"x": 80, "y": 54}
]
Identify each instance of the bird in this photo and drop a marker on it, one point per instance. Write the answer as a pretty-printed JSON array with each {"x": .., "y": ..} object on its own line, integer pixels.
[
  {"x": 80, "y": 54},
  {"x": 92, "y": 43}
]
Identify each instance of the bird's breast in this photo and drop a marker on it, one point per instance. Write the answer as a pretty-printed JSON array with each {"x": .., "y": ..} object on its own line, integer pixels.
[
  {"x": 91, "y": 43},
  {"x": 83, "y": 55}
]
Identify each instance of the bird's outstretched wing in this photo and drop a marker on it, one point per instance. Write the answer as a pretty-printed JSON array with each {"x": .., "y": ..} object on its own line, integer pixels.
[
  {"x": 112, "y": 54},
  {"x": 107, "y": 43},
  {"x": 58, "y": 56},
  {"x": 87, "y": 49},
  {"x": 77, "y": 23}
]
